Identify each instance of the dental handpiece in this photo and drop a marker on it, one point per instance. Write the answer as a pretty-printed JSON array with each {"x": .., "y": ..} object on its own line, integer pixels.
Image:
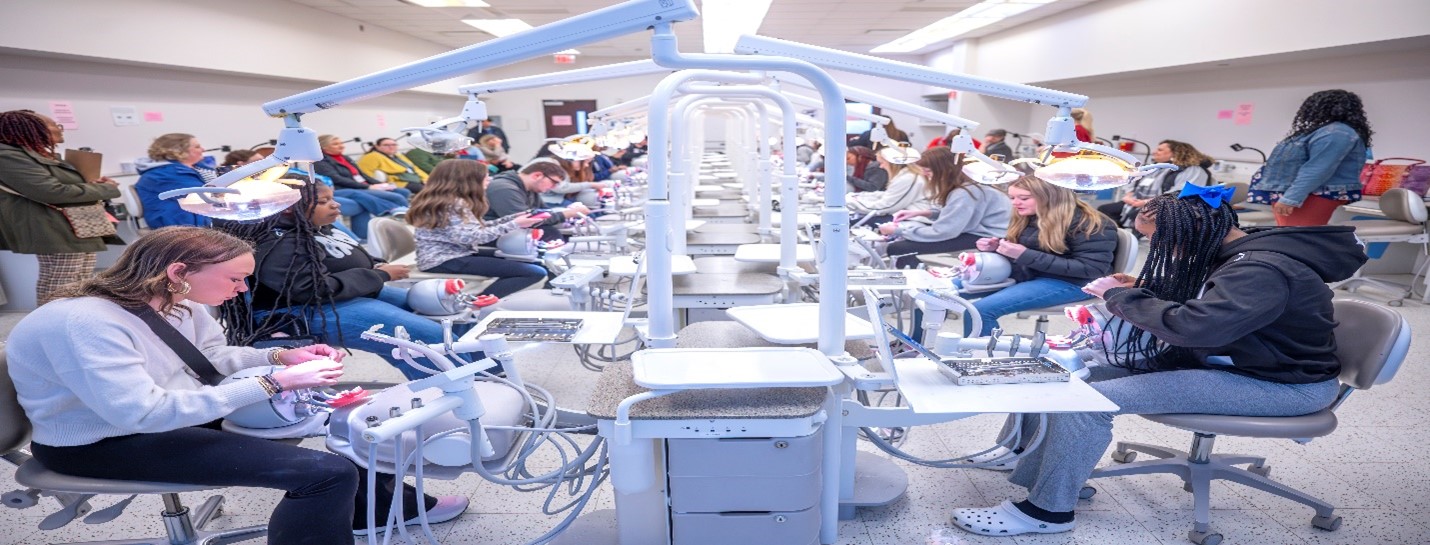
[
  {"x": 993, "y": 340},
  {"x": 1040, "y": 343},
  {"x": 1014, "y": 344}
]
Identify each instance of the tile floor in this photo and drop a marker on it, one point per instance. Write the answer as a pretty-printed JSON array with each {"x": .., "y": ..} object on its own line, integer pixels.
[{"x": 1372, "y": 469}]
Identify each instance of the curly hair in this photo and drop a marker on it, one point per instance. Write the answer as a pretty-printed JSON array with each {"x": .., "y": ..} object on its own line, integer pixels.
[
  {"x": 1336, "y": 105},
  {"x": 170, "y": 147},
  {"x": 1186, "y": 155},
  {"x": 25, "y": 129}
]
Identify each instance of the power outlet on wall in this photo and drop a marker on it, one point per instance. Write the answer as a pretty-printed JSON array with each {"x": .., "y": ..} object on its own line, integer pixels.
[{"x": 124, "y": 116}]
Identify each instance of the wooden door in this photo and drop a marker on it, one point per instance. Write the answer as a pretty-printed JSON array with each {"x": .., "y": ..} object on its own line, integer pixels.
[{"x": 566, "y": 117}]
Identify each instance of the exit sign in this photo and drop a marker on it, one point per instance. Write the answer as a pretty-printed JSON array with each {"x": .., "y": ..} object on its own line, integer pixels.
[{"x": 564, "y": 59}]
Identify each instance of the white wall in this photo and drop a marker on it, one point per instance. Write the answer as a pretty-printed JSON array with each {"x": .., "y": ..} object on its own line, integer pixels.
[
  {"x": 1184, "y": 106},
  {"x": 274, "y": 38},
  {"x": 1116, "y": 36},
  {"x": 218, "y": 109}
]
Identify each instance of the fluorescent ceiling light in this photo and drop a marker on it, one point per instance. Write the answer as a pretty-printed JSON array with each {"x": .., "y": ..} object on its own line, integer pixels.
[
  {"x": 975, "y": 17},
  {"x": 568, "y": 52},
  {"x": 499, "y": 27},
  {"x": 450, "y": 3},
  {"x": 724, "y": 21}
]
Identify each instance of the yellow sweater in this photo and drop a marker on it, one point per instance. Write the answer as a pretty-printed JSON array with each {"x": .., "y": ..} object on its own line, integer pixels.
[{"x": 374, "y": 162}]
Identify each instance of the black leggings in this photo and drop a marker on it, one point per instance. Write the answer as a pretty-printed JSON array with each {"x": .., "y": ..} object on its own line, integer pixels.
[
  {"x": 325, "y": 500},
  {"x": 965, "y": 241}
]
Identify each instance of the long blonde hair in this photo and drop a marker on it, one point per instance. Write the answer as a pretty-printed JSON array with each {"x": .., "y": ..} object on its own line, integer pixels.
[{"x": 1057, "y": 207}]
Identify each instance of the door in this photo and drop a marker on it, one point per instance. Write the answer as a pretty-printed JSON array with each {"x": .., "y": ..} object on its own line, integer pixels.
[{"x": 566, "y": 117}]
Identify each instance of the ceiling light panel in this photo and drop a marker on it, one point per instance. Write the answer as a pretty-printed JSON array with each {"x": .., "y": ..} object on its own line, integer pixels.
[
  {"x": 499, "y": 27},
  {"x": 449, "y": 3},
  {"x": 978, "y": 16}
]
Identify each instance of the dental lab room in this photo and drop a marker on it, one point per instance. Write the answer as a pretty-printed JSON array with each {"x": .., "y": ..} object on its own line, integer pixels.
[{"x": 714, "y": 272}]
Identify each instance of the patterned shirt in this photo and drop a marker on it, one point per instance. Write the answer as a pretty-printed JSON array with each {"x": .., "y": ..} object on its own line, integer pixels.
[{"x": 461, "y": 237}]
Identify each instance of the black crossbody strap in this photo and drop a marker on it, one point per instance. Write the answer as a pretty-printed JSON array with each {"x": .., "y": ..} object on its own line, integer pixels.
[{"x": 180, "y": 345}]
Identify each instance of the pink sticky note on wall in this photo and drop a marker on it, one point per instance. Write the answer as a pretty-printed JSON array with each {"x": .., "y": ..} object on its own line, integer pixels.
[
  {"x": 1223, "y": 114},
  {"x": 153, "y": 117}
]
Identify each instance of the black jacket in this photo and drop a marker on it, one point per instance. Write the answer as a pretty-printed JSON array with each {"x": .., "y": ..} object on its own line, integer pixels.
[
  {"x": 341, "y": 176},
  {"x": 1265, "y": 311},
  {"x": 344, "y": 272},
  {"x": 506, "y": 195},
  {"x": 999, "y": 148},
  {"x": 1089, "y": 257}
]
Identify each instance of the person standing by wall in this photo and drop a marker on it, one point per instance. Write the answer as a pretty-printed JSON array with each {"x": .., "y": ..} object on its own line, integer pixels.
[
  {"x": 1316, "y": 169},
  {"x": 171, "y": 165},
  {"x": 34, "y": 180}
]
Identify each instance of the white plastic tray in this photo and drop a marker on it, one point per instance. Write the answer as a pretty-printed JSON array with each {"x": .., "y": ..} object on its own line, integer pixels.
[
  {"x": 699, "y": 368},
  {"x": 625, "y": 266},
  {"x": 770, "y": 253}
]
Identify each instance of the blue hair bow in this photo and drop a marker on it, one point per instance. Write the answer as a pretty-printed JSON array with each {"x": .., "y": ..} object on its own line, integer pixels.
[{"x": 1213, "y": 195}]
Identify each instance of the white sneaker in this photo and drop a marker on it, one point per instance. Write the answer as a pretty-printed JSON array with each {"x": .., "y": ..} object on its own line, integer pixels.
[
  {"x": 447, "y": 508},
  {"x": 994, "y": 454}
]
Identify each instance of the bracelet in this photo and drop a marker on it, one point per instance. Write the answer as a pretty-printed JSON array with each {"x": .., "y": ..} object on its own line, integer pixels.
[
  {"x": 273, "y": 357},
  {"x": 269, "y": 385}
]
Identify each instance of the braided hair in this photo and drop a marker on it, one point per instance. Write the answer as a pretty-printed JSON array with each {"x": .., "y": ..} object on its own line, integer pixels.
[
  {"x": 1181, "y": 256},
  {"x": 237, "y": 313},
  {"x": 27, "y": 130},
  {"x": 1326, "y": 107}
]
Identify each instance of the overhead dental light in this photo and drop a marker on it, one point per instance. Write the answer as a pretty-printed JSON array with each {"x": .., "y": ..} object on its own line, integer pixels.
[
  {"x": 1068, "y": 163},
  {"x": 448, "y": 135},
  {"x": 233, "y": 196},
  {"x": 578, "y": 147},
  {"x": 898, "y": 153}
]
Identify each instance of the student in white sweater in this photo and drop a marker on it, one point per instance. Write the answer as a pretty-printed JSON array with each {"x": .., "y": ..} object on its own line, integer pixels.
[
  {"x": 905, "y": 191},
  {"x": 967, "y": 212},
  {"x": 108, "y": 398}
]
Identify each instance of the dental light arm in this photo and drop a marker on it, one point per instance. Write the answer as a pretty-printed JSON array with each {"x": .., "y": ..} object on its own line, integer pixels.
[
  {"x": 889, "y": 103},
  {"x": 812, "y": 103},
  {"x": 594, "y": 73},
  {"x": 611, "y": 22},
  {"x": 449, "y": 135}
]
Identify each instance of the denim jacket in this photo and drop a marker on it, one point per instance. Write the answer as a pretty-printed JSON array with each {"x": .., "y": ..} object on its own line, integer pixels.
[{"x": 1328, "y": 159}]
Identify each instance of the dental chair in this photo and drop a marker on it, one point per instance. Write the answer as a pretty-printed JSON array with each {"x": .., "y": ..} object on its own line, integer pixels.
[
  {"x": 1124, "y": 260},
  {"x": 1405, "y": 222},
  {"x": 1371, "y": 343},
  {"x": 180, "y": 526}
]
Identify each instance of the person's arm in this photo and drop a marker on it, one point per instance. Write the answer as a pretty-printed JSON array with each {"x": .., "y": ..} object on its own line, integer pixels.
[
  {"x": 1087, "y": 257},
  {"x": 208, "y": 337},
  {"x": 568, "y": 186},
  {"x": 466, "y": 231},
  {"x": 1325, "y": 151},
  {"x": 1243, "y": 297},
  {"x": 505, "y": 199},
  {"x": 960, "y": 214},
  {"x": 287, "y": 255},
  {"x": 342, "y": 180},
  {"x": 875, "y": 179},
  {"x": 106, "y": 370},
  {"x": 903, "y": 191},
  {"x": 23, "y": 175}
]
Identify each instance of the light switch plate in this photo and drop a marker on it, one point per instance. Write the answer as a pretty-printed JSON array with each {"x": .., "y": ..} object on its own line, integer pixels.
[{"x": 124, "y": 115}]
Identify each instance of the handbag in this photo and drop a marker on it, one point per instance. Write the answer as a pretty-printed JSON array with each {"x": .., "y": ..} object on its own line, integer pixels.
[
  {"x": 87, "y": 221},
  {"x": 1376, "y": 178}
]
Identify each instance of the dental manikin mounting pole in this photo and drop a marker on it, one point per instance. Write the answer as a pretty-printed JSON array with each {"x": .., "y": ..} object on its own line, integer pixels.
[
  {"x": 834, "y": 219},
  {"x": 789, "y": 238}
]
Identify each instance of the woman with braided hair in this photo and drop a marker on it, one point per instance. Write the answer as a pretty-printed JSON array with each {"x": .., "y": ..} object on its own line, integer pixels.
[
  {"x": 312, "y": 279},
  {"x": 33, "y": 182},
  {"x": 1223, "y": 321},
  {"x": 1316, "y": 169}
]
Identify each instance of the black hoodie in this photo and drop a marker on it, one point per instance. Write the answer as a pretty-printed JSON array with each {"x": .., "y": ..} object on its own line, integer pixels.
[
  {"x": 345, "y": 269},
  {"x": 1264, "y": 312}
]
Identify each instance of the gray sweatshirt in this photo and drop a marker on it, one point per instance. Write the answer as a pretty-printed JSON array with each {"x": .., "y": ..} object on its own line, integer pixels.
[
  {"x": 975, "y": 209},
  {"x": 86, "y": 369}
]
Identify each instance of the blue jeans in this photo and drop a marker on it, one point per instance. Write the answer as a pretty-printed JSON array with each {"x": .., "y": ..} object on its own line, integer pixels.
[
  {"x": 1027, "y": 295},
  {"x": 361, "y": 205},
  {"x": 512, "y": 276},
  {"x": 389, "y": 309}
]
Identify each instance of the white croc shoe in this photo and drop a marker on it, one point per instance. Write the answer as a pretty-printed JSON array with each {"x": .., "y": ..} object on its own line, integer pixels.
[
  {"x": 1004, "y": 520},
  {"x": 994, "y": 454}
]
